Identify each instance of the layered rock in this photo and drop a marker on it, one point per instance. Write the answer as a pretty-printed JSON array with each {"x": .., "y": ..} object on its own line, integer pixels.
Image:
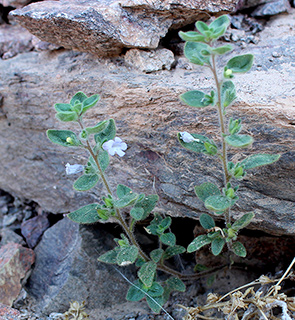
[{"x": 105, "y": 27}]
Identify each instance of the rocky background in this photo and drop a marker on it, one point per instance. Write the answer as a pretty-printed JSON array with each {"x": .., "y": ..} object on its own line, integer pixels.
[{"x": 129, "y": 53}]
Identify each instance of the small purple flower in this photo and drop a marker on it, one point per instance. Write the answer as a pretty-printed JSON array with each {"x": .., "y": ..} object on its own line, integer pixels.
[
  {"x": 187, "y": 137},
  {"x": 116, "y": 146},
  {"x": 74, "y": 168}
]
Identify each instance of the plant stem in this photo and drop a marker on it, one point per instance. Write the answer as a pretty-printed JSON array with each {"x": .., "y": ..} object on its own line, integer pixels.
[{"x": 223, "y": 156}]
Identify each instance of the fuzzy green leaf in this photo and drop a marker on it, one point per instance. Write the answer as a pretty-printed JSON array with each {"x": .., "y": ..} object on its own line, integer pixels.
[
  {"x": 191, "y": 36},
  {"x": 228, "y": 93},
  {"x": 86, "y": 182},
  {"x": 168, "y": 238},
  {"x": 173, "y": 251},
  {"x": 135, "y": 292},
  {"x": 147, "y": 273},
  {"x": 193, "y": 52},
  {"x": 196, "y": 146},
  {"x": 155, "y": 303},
  {"x": 243, "y": 221},
  {"x": 221, "y": 22},
  {"x": 206, "y": 221},
  {"x": 79, "y": 97},
  {"x": 103, "y": 159},
  {"x": 108, "y": 133},
  {"x": 198, "y": 243},
  {"x": 148, "y": 204},
  {"x": 156, "y": 290},
  {"x": 126, "y": 201},
  {"x": 218, "y": 203},
  {"x": 217, "y": 245},
  {"x": 86, "y": 214},
  {"x": 61, "y": 136},
  {"x": 206, "y": 190},
  {"x": 202, "y": 27},
  {"x": 239, "y": 249},
  {"x": 239, "y": 140},
  {"x": 195, "y": 99},
  {"x": 90, "y": 102},
  {"x": 63, "y": 107},
  {"x": 223, "y": 49},
  {"x": 127, "y": 255},
  {"x": 257, "y": 160},
  {"x": 156, "y": 255},
  {"x": 122, "y": 191},
  {"x": 96, "y": 129},
  {"x": 175, "y": 284},
  {"x": 67, "y": 116},
  {"x": 109, "y": 256},
  {"x": 137, "y": 213},
  {"x": 240, "y": 64}
]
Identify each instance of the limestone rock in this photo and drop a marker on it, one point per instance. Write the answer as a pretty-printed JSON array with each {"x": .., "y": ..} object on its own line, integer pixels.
[
  {"x": 150, "y": 61},
  {"x": 272, "y": 8},
  {"x": 15, "y": 262},
  {"x": 149, "y": 114},
  {"x": 106, "y": 27},
  {"x": 66, "y": 269}
]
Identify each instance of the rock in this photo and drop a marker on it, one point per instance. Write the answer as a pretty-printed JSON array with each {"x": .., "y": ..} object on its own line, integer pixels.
[
  {"x": 14, "y": 40},
  {"x": 8, "y": 236},
  {"x": 33, "y": 229},
  {"x": 150, "y": 61},
  {"x": 15, "y": 263},
  {"x": 7, "y": 313},
  {"x": 105, "y": 27},
  {"x": 15, "y": 3},
  {"x": 244, "y": 4},
  {"x": 66, "y": 269},
  {"x": 149, "y": 114},
  {"x": 272, "y": 8}
]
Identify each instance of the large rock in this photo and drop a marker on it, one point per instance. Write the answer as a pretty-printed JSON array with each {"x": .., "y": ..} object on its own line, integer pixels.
[
  {"x": 149, "y": 113},
  {"x": 106, "y": 27}
]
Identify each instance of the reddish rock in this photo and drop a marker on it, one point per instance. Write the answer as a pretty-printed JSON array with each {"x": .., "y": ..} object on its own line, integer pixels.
[
  {"x": 15, "y": 262},
  {"x": 7, "y": 313}
]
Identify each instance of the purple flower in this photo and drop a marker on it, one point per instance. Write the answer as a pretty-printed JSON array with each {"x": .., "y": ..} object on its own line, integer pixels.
[{"x": 116, "y": 146}]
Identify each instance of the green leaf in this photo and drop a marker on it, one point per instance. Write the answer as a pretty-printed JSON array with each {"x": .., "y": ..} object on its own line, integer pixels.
[
  {"x": 155, "y": 303},
  {"x": 240, "y": 64},
  {"x": 79, "y": 97},
  {"x": 198, "y": 243},
  {"x": 173, "y": 251},
  {"x": 109, "y": 256},
  {"x": 137, "y": 213},
  {"x": 202, "y": 27},
  {"x": 122, "y": 191},
  {"x": 243, "y": 221},
  {"x": 218, "y": 203},
  {"x": 67, "y": 116},
  {"x": 261, "y": 159},
  {"x": 147, "y": 273},
  {"x": 108, "y": 133},
  {"x": 103, "y": 159},
  {"x": 168, "y": 238},
  {"x": 135, "y": 292},
  {"x": 86, "y": 182},
  {"x": 222, "y": 21},
  {"x": 206, "y": 190},
  {"x": 63, "y": 107},
  {"x": 217, "y": 245},
  {"x": 239, "y": 140},
  {"x": 195, "y": 98},
  {"x": 156, "y": 290},
  {"x": 127, "y": 255},
  {"x": 90, "y": 102},
  {"x": 175, "y": 284},
  {"x": 206, "y": 221},
  {"x": 156, "y": 255},
  {"x": 191, "y": 36},
  {"x": 96, "y": 129},
  {"x": 126, "y": 201},
  {"x": 239, "y": 249},
  {"x": 193, "y": 52},
  {"x": 65, "y": 138},
  {"x": 196, "y": 146},
  {"x": 228, "y": 93},
  {"x": 86, "y": 214},
  {"x": 165, "y": 224},
  {"x": 223, "y": 49},
  {"x": 148, "y": 204}
]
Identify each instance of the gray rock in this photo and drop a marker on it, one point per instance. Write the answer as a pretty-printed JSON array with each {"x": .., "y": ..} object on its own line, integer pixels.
[
  {"x": 150, "y": 61},
  {"x": 244, "y": 4},
  {"x": 66, "y": 269},
  {"x": 272, "y": 8},
  {"x": 149, "y": 114},
  {"x": 14, "y": 3},
  {"x": 106, "y": 27}
]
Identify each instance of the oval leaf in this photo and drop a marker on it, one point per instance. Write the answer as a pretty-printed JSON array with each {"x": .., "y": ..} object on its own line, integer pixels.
[
  {"x": 206, "y": 190},
  {"x": 137, "y": 213},
  {"x": 108, "y": 133},
  {"x": 218, "y": 203},
  {"x": 66, "y": 116},
  {"x": 147, "y": 273},
  {"x": 240, "y": 64},
  {"x": 63, "y": 107},
  {"x": 175, "y": 284},
  {"x": 222, "y": 21},
  {"x": 109, "y": 256},
  {"x": 79, "y": 97},
  {"x": 173, "y": 251},
  {"x": 196, "y": 146},
  {"x": 148, "y": 204},
  {"x": 86, "y": 182},
  {"x": 168, "y": 238},
  {"x": 239, "y": 140},
  {"x": 223, "y": 49},
  {"x": 191, "y": 36},
  {"x": 243, "y": 221},
  {"x": 198, "y": 243},
  {"x": 61, "y": 137},
  {"x": 239, "y": 249},
  {"x": 90, "y": 102},
  {"x": 217, "y": 246},
  {"x": 193, "y": 52},
  {"x": 195, "y": 98},
  {"x": 228, "y": 93},
  {"x": 206, "y": 221},
  {"x": 86, "y": 214},
  {"x": 257, "y": 160},
  {"x": 135, "y": 292},
  {"x": 96, "y": 129},
  {"x": 127, "y": 255},
  {"x": 156, "y": 255}
]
